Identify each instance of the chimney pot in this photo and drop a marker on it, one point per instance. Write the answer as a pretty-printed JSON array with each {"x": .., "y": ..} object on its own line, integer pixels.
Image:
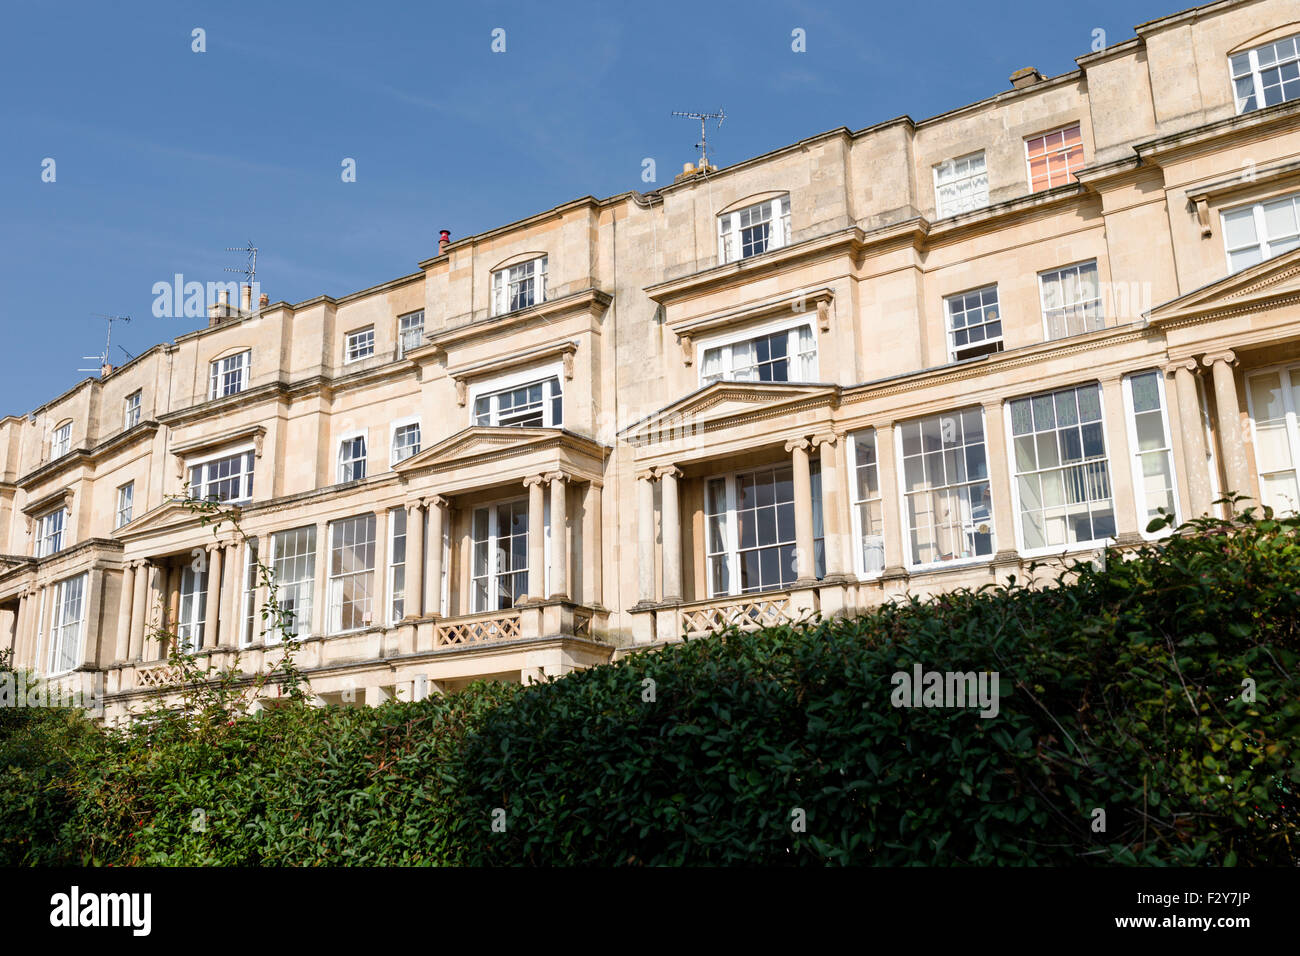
[
  {"x": 444, "y": 238},
  {"x": 245, "y": 297},
  {"x": 263, "y": 301}
]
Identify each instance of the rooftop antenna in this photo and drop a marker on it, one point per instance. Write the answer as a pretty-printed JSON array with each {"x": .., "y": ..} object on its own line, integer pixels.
[
  {"x": 108, "y": 345},
  {"x": 249, "y": 270},
  {"x": 703, "y": 144}
]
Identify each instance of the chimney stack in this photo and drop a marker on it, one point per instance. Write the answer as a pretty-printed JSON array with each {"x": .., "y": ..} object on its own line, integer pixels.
[
  {"x": 263, "y": 301},
  {"x": 1026, "y": 77},
  {"x": 220, "y": 309},
  {"x": 444, "y": 239},
  {"x": 105, "y": 370},
  {"x": 245, "y": 298}
]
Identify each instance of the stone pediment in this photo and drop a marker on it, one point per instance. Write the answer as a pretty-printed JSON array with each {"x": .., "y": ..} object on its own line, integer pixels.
[
  {"x": 480, "y": 444},
  {"x": 167, "y": 515},
  {"x": 1268, "y": 285},
  {"x": 725, "y": 403}
]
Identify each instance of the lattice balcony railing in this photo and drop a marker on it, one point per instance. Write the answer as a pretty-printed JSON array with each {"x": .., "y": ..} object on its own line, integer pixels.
[
  {"x": 750, "y": 612},
  {"x": 163, "y": 676},
  {"x": 478, "y": 630}
]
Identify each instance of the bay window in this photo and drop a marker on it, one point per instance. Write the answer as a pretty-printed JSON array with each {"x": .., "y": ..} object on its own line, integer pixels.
[
  {"x": 947, "y": 498},
  {"x": 351, "y": 573},
  {"x": 782, "y": 355},
  {"x": 519, "y": 286},
  {"x": 867, "y": 508},
  {"x": 1151, "y": 446},
  {"x": 1062, "y": 475},
  {"x": 754, "y": 230}
]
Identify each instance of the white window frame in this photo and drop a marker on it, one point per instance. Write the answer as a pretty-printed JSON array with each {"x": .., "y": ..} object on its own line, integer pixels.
[
  {"x": 125, "y": 504},
  {"x": 132, "y": 405},
  {"x": 64, "y": 630},
  {"x": 248, "y": 585},
  {"x": 50, "y": 539},
  {"x": 954, "y": 206},
  {"x": 494, "y": 572},
  {"x": 1059, "y": 272},
  {"x": 1287, "y": 373},
  {"x": 392, "y": 591},
  {"x": 950, "y": 300},
  {"x": 359, "y": 344},
  {"x": 192, "y": 616},
  {"x": 336, "y": 581},
  {"x": 900, "y": 477},
  {"x": 346, "y": 443},
  {"x": 248, "y": 456},
  {"x": 220, "y": 383},
  {"x": 1136, "y": 455},
  {"x": 304, "y": 589},
  {"x": 393, "y": 429},
  {"x": 1263, "y": 242},
  {"x": 730, "y": 244},
  {"x": 731, "y": 552},
  {"x": 535, "y": 271},
  {"x": 1254, "y": 71},
  {"x": 1014, "y": 475},
  {"x": 729, "y": 340},
  {"x": 61, "y": 441},
  {"x": 1069, "y": 176},
  {"x": 407, "y": 328},
  {"x": 495, "y": 387},
  {"x": 855, "y": 511}
]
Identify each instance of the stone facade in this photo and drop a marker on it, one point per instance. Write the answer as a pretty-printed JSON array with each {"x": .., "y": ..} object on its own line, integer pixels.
[{"x": 843, "y": 371}]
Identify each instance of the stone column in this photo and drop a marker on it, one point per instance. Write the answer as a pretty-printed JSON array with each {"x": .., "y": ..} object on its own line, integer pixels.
[
  {"x": 414, "y": 596},
  {"x": 212, "y": 622},
  {"x": 139, "y": 610},
  {"x": 803, "y": 517},
  {"x": 536, "y": 538},
  {"x": 1229, "y": 415},
  {"x": 645, "y": 538},
  {"x": 1192, "y": 434},
  {"x": 559, "y": 537},
  {"x": 125, "y": 600},
  {"x": 671, "y": 530},
  {"x": 834, "y": 512},
  {"x": 437, "y": 508},
  {"x": 174, "y": 574}
]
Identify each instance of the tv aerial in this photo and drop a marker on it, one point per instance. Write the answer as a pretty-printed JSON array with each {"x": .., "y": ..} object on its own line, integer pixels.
[
  {"x": 108, "y": 345},
  {"x": 703, "y": 144},
  {"x": 249, "y": 270}
]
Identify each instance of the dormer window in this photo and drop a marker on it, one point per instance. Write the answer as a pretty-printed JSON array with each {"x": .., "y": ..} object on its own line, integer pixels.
[
  {"x": 754, "y": 230},
  {"x": 519, "y": 286},
  {"x": 1266, "y": 75},
  {"x": 229, "y": 375},
  {"x": 61, "y": 442},
  {"x": 781, "y": 355}
]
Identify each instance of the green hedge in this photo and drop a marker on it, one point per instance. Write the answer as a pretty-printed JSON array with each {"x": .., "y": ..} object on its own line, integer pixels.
[{"x": 1121, "y": 691}]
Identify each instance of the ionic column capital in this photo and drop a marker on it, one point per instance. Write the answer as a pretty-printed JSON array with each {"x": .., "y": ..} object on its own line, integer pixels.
[
  {"x": 1187, "y": 364},
  {"x": 434, "y": 501},
  {"x": 667, "y": 471},
  {"x": 647, "y": 475},
  {"x": 554, "y": 476},
  {"x": 825, "y": 438},
  {"x": 1227, "y": 357},
  {"x": 534, "y": 480},
  {"x": 797, "y": 443}
]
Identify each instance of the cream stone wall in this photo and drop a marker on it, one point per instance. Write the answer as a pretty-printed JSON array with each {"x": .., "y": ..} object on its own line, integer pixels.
[{"x": 635, "y": 294}]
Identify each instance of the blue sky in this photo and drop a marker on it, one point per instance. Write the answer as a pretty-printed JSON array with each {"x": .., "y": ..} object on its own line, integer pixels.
[{"x": 164, "y": 157}]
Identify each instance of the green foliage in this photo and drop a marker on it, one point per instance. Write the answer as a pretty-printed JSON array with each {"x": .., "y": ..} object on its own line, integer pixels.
[{"x": 1121, "y": 691}]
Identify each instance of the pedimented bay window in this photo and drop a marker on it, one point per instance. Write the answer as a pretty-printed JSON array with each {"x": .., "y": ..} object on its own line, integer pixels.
[
  {"x": 948, "y": 501},
  {"x": 750, "y": 530},
  {"x": 754, "y": 230},
  {"x": 519, "y": 286},
  {"x": 786, "y": 354}
]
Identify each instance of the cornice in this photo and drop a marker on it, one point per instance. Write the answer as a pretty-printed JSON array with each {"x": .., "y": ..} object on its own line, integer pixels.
[
  {"x": 84, "y": 455},
  {"x": 588, "y": 299}
]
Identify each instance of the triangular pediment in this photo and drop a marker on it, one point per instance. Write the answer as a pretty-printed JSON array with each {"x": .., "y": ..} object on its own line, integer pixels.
[
  {"x": 481, "y": 440},
  {"x": 1271, "y": 283},
  {"x": 722, "y": 402},
  {"x": 166, "y": 515}
]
